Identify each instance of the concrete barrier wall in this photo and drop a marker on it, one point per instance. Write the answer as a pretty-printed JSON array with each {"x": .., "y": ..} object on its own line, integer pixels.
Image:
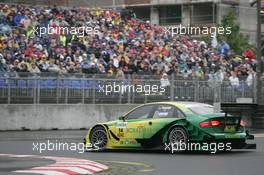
[{"x": 44, "y": 116}]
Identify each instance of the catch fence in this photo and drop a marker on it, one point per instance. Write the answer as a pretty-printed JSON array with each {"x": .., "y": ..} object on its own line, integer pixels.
[{"x": 98, "y": 89}]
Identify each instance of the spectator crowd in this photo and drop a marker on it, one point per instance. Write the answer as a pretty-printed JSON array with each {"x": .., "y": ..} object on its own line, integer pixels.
[{"x": 122, "y": 45}]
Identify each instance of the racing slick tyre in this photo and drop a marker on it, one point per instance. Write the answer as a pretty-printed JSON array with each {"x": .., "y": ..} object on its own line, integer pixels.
[
  {"x": 98, "y": 138},
  {"x": 177, "y": 138}
]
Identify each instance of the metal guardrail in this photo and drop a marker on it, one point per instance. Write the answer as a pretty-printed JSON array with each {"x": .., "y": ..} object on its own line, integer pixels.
[
  {"x": 96, "y": 89},
  {"x": 262, "y": 93}
]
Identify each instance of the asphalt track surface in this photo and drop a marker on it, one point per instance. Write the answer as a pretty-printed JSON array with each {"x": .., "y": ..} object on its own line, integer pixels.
[{"x": 127, "y": 162}]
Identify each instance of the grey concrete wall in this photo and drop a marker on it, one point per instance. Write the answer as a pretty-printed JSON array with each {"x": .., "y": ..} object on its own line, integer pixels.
[
  {"x": 76, "y": 116},
  {"x": 186, "y": 16},
  {"x": 248, "y": 20},
  {"x": 154, "y": 15}
]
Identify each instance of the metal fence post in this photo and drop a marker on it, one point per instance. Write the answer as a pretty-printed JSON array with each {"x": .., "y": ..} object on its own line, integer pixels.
[
  {"x": 57, "y": 90},
  {"x": 254, "y": 86},
  {"x": 128, "y": 91},
  {"x": 243, "y": 88},
  {"x": 93, "y": 91},
  {"x": 121, "y": 93},
  {"x": 262, "y": 94},
  {"x": 133, "y": 93},
  {"x": 35, "y": 90},
  {"x": 82, "y": 89},
  {"x": 172, "y": 87},
  {"x": 215, "y": 91},
  {"x": 217, "y": 95},
  {"x": 219, "y": 92},
  {"x": 9, "y": 92},
  {"x": 196, "y": 89},
  {"x": 66, "y": 94},
  {"x": 38, "y": 90}
]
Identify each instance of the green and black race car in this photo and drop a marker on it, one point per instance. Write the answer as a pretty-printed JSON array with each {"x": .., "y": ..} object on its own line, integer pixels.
[{"x": 156, "y": 125}]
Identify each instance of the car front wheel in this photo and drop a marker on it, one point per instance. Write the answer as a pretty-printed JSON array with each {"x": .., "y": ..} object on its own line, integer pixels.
[{"x": 98, "y": 138}]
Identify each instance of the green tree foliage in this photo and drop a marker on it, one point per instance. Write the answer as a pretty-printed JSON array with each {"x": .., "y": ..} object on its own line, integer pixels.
[{"x": 237, "y": 41}]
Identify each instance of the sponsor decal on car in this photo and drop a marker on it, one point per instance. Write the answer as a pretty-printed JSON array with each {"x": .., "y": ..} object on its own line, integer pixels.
[
  {"x": 138, "y": 129},
  {"x": 121, "y": 125},
  {"x": 232, "y": 136}
]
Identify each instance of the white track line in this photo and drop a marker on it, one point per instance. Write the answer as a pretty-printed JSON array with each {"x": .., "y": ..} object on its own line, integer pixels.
[
  {"x": 83, "y": 163},
  {"x": 77, "y": 165},
  {"x": 44, "y": 172},
  {"x": 22, "y": 156},
  {"x": 66, "y": 158},
  {"x": 259, "y": 135},
  {"x": 7, "y": 155},
  {"x": 75, "y": 169}
]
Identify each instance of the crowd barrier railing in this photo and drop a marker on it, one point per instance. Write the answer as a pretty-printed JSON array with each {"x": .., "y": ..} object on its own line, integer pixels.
[{"x": 102, "y": 89}]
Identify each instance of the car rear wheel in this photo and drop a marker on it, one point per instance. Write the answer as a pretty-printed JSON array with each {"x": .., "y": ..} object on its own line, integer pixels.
[
  {"x": 98, "y": 138},
  {"x": 177, "y": 139}
]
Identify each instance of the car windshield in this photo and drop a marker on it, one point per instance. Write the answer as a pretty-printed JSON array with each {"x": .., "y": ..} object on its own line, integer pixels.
[{"x": 200, "y": 109}]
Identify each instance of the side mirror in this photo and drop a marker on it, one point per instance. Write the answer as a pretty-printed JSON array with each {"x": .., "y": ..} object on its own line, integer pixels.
[{"x": 122, "y": 118}]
